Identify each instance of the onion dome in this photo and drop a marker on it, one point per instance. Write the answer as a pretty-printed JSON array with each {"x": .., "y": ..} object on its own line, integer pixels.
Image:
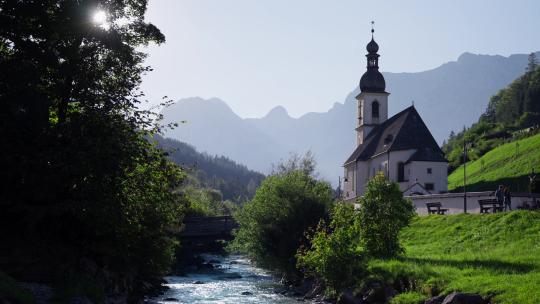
[
  {"x": 372, "y": 47},
  {"x": 372, "y": 80}
]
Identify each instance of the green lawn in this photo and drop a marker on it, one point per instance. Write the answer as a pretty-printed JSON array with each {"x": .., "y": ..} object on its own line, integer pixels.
[
  {"x": 501, "y": 166},
  {"x": 495, "y": 255}
]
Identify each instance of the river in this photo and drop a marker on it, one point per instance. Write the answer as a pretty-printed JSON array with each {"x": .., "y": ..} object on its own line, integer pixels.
[{"x": 233, "y": 280}]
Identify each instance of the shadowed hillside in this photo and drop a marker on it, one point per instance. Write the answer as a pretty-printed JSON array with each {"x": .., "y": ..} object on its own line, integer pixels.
[{"x": 234, "y": 181}]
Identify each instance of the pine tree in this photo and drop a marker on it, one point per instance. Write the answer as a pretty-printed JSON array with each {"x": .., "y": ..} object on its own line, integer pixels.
[{"x": 533, "y": 62}]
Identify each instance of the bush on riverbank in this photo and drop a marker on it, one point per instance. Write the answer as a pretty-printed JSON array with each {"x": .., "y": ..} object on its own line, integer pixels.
[
  {"x": 338, "y": 253},
  {"x": 273, "y": 223},
  {"x": 334, "y": 253}
]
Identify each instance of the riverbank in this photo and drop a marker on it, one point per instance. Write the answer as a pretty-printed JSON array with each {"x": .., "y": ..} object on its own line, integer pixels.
[{"x": 495, "y": 255}]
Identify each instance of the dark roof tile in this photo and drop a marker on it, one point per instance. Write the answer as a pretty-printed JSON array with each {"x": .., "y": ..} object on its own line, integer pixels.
[{"x": 403, "y": 131}]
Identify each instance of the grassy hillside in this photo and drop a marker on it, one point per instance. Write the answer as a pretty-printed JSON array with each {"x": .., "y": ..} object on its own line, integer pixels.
[
  {"x": 501, "y": 166},
  {"x": 495, "y": 255}
]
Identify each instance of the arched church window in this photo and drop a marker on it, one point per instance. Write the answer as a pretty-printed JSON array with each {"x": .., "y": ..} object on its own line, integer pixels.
[
  {"x": 375, "y": 109},
  {"x": 401, "y": 172}
]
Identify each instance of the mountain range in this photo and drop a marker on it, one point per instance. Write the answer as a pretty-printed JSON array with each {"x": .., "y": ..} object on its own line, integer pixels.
[{"x": 448, "y": 97}]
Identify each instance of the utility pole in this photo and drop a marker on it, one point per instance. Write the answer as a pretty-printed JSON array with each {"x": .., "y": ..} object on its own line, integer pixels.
[
  {"x": 339, "y": 188},
  {"x": 464, "y": 176}
]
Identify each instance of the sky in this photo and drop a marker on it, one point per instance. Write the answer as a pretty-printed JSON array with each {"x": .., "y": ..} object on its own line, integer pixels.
[{"x": 308, "y": 54}]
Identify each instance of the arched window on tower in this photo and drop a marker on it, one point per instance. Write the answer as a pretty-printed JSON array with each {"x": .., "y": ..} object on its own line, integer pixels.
[
  {"x": 400, "y": 172},
  {"x": 375, "y": 109}
]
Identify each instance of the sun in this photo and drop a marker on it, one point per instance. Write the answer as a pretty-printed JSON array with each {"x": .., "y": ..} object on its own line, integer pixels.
[{"x": 100, "y": 18}]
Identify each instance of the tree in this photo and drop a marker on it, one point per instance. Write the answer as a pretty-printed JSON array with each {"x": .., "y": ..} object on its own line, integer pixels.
[
  {"x": 273, "y": 223},
  {"x": 335, "y": 253},
  {"x": 85, "y": 195},
  {"x": 383, "y": 213},
  {"x": 532, "y": 62},
  {"x": 305, "y": 163}
]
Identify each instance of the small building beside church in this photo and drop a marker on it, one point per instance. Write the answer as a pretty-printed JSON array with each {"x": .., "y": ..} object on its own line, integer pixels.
[{"x": 401, "y": 147}]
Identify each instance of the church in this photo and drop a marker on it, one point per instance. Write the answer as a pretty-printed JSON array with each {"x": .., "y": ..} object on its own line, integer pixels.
[{"x": 401, "y": 147}]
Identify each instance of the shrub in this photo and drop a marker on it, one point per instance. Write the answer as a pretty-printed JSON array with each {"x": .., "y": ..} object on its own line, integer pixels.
[
  {"x": 272, "y": 225},
  {"x": 383, "y": 213},
  {"x": 334, "y": 254}
]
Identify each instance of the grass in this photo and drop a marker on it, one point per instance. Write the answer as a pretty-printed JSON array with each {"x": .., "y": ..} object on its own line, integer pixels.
[
  {"x": 409, "y": 298},
  {"x": 494, "y": 255},
  {"x": 501, "y": 166}
]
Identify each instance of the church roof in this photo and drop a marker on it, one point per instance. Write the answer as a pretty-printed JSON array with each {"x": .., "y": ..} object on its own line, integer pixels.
[{"x": 404, "y": 131}]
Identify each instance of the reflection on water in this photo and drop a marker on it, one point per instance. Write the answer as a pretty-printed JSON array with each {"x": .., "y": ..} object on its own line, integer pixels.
[{"x": 233, "y": 280}]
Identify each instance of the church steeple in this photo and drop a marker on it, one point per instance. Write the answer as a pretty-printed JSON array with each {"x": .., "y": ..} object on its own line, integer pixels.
[
  {"x": 372, "y": 80},
  {"x": 373, "y": 99}
]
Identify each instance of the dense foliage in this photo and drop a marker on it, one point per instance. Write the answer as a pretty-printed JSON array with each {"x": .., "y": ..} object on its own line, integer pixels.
[
  {"x": 273, "y": 223},
  {"x": 382, "y": 214},
  {"x": 84, "y": 196},
  {"x": 335, "y": 253},
  {"x": 510, "y": 114},
  {"x": 235, "y": 182}
]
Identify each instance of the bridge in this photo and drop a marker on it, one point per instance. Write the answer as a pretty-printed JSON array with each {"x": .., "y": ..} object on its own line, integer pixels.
[{"x": 208, "y": 228}]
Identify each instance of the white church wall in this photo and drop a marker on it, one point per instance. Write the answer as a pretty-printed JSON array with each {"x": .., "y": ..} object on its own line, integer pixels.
[
  {"x": 438, "y": 176},
  {"x": 378, "y": 164},
  {"x": 361, "y": 177},
  {"x": 365, "y": 102},
  {"x": 395, "y": 158},
  {"x": 454, "y": 201},
  {"x": 348, "y": 181}
]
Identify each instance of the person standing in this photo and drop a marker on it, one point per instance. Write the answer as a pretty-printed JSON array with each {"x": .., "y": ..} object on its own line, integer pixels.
[
  {"x": 507, "y": 199},
  {"x": 533, "y": 186},
  {"x": 499, "y": 195}
]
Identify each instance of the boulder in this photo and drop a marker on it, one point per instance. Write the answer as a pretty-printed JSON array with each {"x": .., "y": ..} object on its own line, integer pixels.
[
  {"x": 205, "y": 266},
  {"x": 463, "y": 298},
  {"x": 246, "y": 293},
  {"x": 435, "y": 300},
  {"x": 375, "y": 292},
  {"x": 197, "y": 282},
  {"x": 348, "y": 297},
  {"x": 171, "y": 300}
]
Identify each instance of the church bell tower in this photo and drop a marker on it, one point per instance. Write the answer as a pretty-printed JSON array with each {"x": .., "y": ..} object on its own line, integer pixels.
[{"x": 373, "y": 99}]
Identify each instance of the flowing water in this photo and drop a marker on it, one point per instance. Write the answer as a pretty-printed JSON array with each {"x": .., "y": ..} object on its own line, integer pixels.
[{"x": 233, "y": 280}]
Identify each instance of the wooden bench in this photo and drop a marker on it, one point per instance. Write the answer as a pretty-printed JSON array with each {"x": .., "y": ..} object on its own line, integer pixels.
[
  {"x": 491, "y": 204},
  {"x": 435, "y": 208}
]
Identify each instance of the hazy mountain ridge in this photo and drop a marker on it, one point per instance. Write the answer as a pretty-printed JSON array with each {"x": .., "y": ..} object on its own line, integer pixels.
[{"x": 447, "y": 97}]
